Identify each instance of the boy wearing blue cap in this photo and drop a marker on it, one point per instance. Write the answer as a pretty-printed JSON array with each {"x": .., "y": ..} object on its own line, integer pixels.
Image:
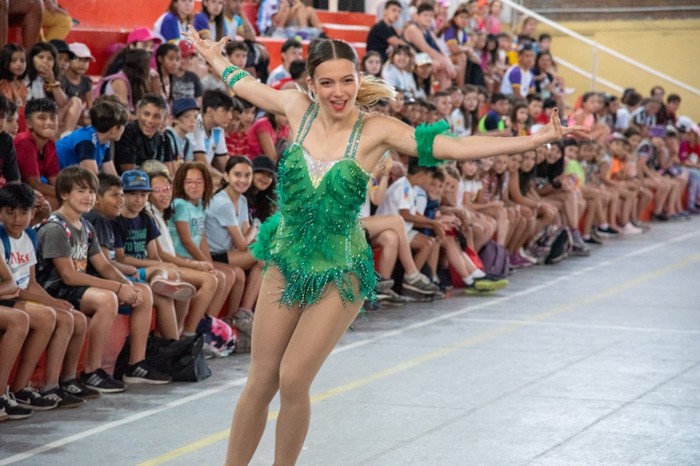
[
  {"x": 135, "y": 235},
  {"x": 184, "y": 112}
]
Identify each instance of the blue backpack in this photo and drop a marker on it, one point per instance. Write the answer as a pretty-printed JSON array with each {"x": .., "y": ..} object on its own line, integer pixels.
[{"x": 6, "y": 240}]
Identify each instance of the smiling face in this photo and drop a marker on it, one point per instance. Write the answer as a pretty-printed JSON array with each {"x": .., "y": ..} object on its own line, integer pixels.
[
  {"x": 469, "y": 168},
  {"x": 262, "y": 180},
  {"x": 335, "y": 83},
  {"x": 161, "y": 192},
  {"x": 134, "y": 202},
  {"x": 239, "y": 177},
  {"x": 110, "y": 204},
  {"x": 42, "y": 124},
  {"x": 553, "y": 154},
  {"x": 500, "y": 164},
  {"x": 571, "y": 152},
  {"x": 150, "y": 118},
  {"x": 514, "y": 162}
]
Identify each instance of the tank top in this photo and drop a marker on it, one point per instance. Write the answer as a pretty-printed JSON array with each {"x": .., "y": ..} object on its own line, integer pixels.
[{"x": 315, "y": 238}]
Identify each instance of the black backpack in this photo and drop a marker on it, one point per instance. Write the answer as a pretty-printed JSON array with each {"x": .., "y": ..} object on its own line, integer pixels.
[{"x": 551, "y": 245}]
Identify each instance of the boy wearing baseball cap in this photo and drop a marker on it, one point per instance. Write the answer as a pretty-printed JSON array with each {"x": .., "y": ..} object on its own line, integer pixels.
[
  {"x": 135, "y": 244},
  {"x": 74, "y": 82},
  {"x": 186, "y": 83},
  {"x": 184, "y": 112}
]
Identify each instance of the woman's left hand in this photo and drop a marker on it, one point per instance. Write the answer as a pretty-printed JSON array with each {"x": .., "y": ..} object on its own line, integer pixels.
[
  {"x": 554, "y": 131},
  {"x": 207, "y": 48}
]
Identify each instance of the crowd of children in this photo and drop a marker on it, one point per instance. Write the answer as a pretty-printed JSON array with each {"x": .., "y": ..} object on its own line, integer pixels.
[{"x": 143, "y": 192}]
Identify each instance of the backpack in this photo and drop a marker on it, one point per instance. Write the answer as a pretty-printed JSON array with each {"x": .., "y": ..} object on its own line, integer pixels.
[
  {"x": 495, "y": 260},
  {"x": 551, "y": 245},
  {"x": 42, "y": 272},
  {"x": 5, "y": 238},
  {"x": 219, "y": 337}
]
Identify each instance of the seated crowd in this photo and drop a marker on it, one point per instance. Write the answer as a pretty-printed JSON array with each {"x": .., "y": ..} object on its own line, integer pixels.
[{"x": 140, "y": 194}]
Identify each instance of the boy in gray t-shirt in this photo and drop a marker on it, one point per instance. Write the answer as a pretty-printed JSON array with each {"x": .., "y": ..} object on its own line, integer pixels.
[{"x": 66, "y": 245}]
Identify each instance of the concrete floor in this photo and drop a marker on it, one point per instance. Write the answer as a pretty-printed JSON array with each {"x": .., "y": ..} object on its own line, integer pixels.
[{"x": 595, "y": 361}]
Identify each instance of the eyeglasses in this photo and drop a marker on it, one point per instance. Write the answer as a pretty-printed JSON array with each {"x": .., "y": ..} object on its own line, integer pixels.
[
  {"x": 194, "y": 182},
  {"x": 164, "y": 189}
]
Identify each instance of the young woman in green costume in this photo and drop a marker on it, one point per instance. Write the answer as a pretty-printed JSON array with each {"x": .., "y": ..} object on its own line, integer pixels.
[{"x": 319, "y": 266}]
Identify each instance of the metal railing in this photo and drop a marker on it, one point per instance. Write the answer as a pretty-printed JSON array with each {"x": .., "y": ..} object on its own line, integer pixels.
[{"x": 597, "y": 48}]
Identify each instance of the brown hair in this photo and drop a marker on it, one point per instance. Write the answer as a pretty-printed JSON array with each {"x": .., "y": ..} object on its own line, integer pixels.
[
  {"x": 73, "y": 176},
  {"x": 179, "y": 182},
  {"x": 371, "y": 89}
]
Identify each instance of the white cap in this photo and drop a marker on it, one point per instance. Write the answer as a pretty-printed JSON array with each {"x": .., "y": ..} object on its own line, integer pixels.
[{"x": 81, "y": 50}]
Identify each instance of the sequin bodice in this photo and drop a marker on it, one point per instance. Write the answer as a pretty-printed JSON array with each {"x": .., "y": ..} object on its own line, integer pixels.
[{"x": 315, "y": 238}]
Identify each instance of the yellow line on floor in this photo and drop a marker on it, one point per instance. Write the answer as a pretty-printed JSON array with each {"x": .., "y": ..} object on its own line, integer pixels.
[{"x": 411, "y": 363}]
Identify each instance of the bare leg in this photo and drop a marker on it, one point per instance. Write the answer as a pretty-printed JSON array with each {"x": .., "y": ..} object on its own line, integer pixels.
[
  {"x": 378, "y": 223},
  {"x": 274, "y": 325},
  {"x": 319, "y": 329},
  {"x": 423, "y": 245},
  {"x": 101, "y": 306},
  {"x": 206, "y": 285},
  {"x": 140, "y": 324},
  {"x": 42, "y": 321},
  {"x": 15, "y": 326},
  {"x": 75, "y": 347},
  {"x": 58, "y": 345},
  {"x": 389, "y": 243}
]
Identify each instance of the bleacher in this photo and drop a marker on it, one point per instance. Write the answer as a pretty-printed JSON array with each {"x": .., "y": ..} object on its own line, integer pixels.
[{"x": 104, "y": 23}]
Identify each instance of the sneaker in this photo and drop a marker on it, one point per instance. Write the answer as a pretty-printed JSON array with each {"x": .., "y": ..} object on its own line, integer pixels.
[
  {"x": 102, "y": 382},
  {"x": 12, "y": 409},
  {"x": 384, "y": 285},
  {"x": 527, "y": 256},
  {"x": 76, "y": 388},
  {"x": 518, "y": 262},
  {"x": 630, "y": 230},
  {"x": 580, "y": 250},
  {"x": 63, "y": 398},
  {"x": 596, "y": 236},
  {"x": 417, "y": 296},
  {"x": 660, "y": 217},
  {"x": 439, "y": 295},
  {"x": 608, "y": 231},
  {"x": 142, "y": 372},
  {"x": 30, "y": 397},
  {"x": 421, "y": 284},
  {"x": 179, "y": 291},
  {"x": 3, "y": 414},
  {"x": 490, "y": 284}
]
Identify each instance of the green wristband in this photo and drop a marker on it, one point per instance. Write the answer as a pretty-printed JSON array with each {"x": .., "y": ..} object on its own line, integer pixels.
[
  {"x": 237, "y": 77},
  {"x": 228, "y": 71}
]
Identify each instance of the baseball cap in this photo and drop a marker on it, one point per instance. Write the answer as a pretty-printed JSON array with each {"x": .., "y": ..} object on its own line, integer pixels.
[
  {"x": 617, "y": 137},
  {"x": 61, "y": 46},
  {"x": 263, "y": 163},
  {"x": 184, "y": 104},
  {"x": 136, "y": 180},
  {"x": 142, "y": 35},
  {"x": 685, "y": 124},
  {"x": 81, "y": 50},
  {"x": 186, "y": 48},
  {"x": 423, "y": 59}
]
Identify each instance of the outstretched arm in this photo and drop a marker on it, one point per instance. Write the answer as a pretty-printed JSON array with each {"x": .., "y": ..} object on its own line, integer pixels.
[
  {"x": 401, "y": 138},
  {"x": 248, "y": 88}
]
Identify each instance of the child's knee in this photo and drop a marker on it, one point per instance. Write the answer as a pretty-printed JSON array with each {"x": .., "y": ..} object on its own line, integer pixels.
[{"x": 43, "y": 318}]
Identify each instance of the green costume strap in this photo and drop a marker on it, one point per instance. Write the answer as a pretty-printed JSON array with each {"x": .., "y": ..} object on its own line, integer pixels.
[{"x": 425, "y": 136}]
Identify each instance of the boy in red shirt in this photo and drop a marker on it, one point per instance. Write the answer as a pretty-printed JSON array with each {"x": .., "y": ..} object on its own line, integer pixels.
[{"x": 36, "y": 151}]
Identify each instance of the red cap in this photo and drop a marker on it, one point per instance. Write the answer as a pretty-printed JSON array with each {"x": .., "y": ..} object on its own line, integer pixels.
[{"x": 186, "y": 48}]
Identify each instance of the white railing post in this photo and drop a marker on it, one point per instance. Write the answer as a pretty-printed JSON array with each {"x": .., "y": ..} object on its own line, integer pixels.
[{"x": 594, "y": 68}]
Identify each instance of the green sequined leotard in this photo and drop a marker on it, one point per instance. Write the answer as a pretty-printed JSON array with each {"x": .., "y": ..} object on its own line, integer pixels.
[{"x": 315, "y": 238}]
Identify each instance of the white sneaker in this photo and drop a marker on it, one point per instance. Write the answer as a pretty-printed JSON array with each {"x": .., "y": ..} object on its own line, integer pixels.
[{"x": 630, "y": 229}]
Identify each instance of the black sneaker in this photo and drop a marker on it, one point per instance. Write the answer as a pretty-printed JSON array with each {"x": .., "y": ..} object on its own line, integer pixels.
[
  {"x": 63, "y": 398},
  {"x": 12, "y": 409},
  {"x": 76, "y": 388},
  {"x": 29, "y": 397},
  {"x": 660, "y": 217},
  {"x": 102, "y": 382},
  {"x": 608, "y": 231},
  {"x": 142, "y": 372},
  {"x": 421, "y": 284}
]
